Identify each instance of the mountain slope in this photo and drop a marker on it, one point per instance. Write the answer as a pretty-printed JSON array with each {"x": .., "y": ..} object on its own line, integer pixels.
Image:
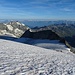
[
  {"x": 22, "y": 59},
  {"x": 14, "y": 28},
  {"x": 65, "y": 31}
]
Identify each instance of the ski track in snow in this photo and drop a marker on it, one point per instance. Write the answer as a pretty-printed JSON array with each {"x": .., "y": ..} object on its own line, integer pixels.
[{"x": 22, "y": 59}]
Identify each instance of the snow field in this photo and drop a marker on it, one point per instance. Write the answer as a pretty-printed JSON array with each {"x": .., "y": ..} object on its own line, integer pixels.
[{"x": 23, "y": 59}]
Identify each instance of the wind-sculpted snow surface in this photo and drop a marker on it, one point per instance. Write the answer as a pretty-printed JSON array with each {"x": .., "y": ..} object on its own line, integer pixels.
[{"x": 22, "y": 59}]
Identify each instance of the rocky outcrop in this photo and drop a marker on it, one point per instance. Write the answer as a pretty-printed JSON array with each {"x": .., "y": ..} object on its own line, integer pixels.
[
  {"x": 46, "y": 34},
  {"x": 72, "y": 49}
]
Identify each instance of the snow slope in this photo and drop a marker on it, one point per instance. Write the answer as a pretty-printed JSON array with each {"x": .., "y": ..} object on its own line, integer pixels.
[{"x": 22, "y": 59}]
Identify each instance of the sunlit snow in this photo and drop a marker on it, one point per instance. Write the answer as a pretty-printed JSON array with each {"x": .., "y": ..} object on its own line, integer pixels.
[{"x": 23, "y": 59}]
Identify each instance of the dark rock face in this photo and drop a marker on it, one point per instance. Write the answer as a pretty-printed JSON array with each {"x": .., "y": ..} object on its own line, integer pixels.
[
  {"x": 2, "y": 26},
  {"x": 45, "y": 34}
]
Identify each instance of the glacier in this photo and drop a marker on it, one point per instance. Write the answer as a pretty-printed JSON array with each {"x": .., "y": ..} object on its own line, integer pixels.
[{"x": 24, "y": 59}]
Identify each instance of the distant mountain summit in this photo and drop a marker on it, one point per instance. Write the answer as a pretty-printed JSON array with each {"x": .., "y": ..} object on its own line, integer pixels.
[
  {"x": 15, "y": 23},
  {"x": 13, "y": 28}
]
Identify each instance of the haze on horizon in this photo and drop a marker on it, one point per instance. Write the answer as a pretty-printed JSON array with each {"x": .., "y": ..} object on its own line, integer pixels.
[{"x": 37, "y": 9}]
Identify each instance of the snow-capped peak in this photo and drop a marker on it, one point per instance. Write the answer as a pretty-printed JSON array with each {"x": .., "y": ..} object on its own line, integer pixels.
[
  {"x": 15, "y": 23},
  {"x": 18, "y": 23}
]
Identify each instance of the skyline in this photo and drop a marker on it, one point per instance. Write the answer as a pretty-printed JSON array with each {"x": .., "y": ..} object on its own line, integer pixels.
[{"x": 37, "y": 9}]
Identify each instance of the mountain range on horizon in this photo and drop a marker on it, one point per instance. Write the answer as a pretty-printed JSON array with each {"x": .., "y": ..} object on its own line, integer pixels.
[
  {"x": 17, "y": 29},
  {"x": 39, "y": 23},
  {"x": 37, "y": 51}
]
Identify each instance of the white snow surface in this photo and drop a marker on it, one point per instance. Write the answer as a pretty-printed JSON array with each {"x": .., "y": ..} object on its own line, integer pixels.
[
  {"x": 10, "y": 27},
  {"x": 23, "y": 59}
]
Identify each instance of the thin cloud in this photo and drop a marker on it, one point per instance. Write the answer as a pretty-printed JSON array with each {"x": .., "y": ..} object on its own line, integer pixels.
[
  {"x": 67, "y": 9},
  {"x": 37, "y": 7}
]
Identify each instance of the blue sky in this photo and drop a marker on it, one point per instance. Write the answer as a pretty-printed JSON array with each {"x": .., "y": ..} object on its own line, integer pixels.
[{"x": 37, "y": 9}]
